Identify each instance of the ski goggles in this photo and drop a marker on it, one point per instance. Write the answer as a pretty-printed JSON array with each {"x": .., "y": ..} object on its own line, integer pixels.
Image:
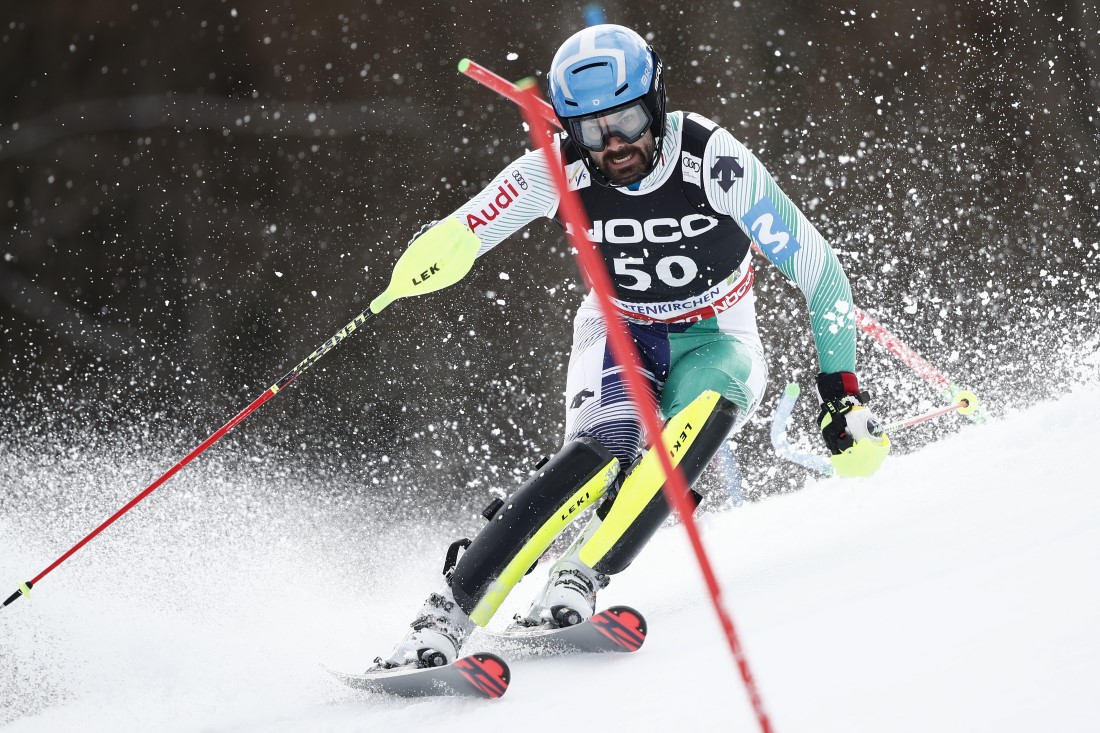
[{"x": 627, "y": 123}]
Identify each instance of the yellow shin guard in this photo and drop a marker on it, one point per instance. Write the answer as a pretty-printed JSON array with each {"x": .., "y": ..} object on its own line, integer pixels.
[
  {"x": 692, "y": 436},
  {"x": 523, "y": 527}
]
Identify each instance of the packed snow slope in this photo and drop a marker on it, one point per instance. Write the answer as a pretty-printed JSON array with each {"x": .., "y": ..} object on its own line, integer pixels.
[{"x": 954, "y": 591}]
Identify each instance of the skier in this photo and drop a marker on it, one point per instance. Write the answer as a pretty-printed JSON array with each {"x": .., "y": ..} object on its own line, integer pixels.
[{"x": 675, "y": 203}]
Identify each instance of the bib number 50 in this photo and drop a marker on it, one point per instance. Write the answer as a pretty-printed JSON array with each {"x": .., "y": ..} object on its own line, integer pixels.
[{"x": 674, "y": 271}]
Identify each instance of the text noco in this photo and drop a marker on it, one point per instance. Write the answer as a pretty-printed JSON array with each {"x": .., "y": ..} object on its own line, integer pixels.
[{"x": 658, "y": 231}]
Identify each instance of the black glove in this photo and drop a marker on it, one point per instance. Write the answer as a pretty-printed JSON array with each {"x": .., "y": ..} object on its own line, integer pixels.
[{"x": 849, "y": 428}]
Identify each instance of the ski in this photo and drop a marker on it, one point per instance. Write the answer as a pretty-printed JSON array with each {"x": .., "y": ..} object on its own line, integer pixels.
[
  {"x": 481, "y": 675},
  {"x": 616, "y": 629}
]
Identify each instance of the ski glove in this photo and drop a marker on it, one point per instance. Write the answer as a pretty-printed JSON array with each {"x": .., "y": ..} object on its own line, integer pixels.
[{"x": 848, "y": 426}]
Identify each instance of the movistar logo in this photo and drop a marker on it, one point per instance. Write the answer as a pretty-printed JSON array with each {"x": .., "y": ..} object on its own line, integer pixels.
[{"x": 776, "y": 241}]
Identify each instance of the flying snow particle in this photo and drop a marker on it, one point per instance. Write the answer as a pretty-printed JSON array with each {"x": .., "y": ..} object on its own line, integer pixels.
[{"x": 512, "y": 56}]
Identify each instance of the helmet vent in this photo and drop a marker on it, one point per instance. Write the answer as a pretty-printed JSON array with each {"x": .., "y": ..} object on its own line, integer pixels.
[
  {"x": 579, "y": 69},
  {"x": 621, "y": 89}
]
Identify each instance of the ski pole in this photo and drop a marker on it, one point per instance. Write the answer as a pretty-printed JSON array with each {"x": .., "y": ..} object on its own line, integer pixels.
[
  {"x": 440, "y": 257},
  {"x": 864, "y": 321},
  {"x": 966, "y": 403}
]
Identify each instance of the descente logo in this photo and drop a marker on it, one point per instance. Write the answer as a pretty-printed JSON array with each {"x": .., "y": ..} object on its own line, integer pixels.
[
  {"x": 506, "y": 194},
  {"x": 657, "y": 231}
]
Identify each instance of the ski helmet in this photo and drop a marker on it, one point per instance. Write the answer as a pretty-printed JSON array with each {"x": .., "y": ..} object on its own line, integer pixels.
[{"x": 607, "y": 80}]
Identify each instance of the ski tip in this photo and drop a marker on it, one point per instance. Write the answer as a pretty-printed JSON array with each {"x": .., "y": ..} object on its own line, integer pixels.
[
  {"x": 463, "y": 65},
  {"x": 487, "y": 674},
  {"x": 624, "y": 626}
]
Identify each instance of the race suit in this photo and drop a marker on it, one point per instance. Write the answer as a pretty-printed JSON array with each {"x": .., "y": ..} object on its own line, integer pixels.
[{"x": 678, "y": 252}]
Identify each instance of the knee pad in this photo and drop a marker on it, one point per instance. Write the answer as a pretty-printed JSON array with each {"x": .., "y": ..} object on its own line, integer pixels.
[
  {"x": 527, "y": 522},
  {"x": 635, "y": 514}
]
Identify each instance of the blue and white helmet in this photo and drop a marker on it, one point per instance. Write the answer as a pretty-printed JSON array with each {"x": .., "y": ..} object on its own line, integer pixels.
[{"x": 601, "y": 70}]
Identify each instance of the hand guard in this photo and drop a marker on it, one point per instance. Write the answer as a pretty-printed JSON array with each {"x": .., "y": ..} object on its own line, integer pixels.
[
  {"x": 423, "y": 230},
  {"x": 439, "y": 257},
  {"x": 848, "y": 426}
]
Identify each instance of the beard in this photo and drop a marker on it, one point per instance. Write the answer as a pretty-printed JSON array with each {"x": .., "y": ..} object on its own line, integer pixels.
[{"x": 629, "y": 163}]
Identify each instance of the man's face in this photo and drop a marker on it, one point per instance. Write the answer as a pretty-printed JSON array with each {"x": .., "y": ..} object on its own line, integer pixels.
[{"x": 625, "y": 163}]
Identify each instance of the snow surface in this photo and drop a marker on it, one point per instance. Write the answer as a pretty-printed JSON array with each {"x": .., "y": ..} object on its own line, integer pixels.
[{"x": 954, "y": 591}]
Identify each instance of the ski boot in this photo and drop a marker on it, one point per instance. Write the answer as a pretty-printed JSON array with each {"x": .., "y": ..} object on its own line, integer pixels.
[
  {"x": 569, "y": 597},
  {"x": 436, "y": 636}
]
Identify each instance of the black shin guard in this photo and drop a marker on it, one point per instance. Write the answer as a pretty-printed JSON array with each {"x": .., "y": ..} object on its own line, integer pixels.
[
  {"x": 638, "y": 510},
  {"x": 527, "y": 522}
]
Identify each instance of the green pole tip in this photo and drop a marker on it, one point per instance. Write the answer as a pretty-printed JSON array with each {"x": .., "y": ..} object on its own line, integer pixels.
[
  {"x": 793, "y": 390},
  {"x": 379, "y": 304},
  {"x": 526, "y": 83},
  {"x": 463, "y": 65},
  {"x": 25, "y": 589}
]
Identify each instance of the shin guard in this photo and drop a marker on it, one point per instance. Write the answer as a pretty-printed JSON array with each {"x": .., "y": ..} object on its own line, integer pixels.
[
  {"x": 527, "y": 522},
  {"x": 692, "y": 436}
]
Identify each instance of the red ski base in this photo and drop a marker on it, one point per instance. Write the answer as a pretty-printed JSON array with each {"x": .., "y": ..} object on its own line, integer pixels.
[
  {"x": 480, "y": 675},
  {"x": 617, "y": 629}
]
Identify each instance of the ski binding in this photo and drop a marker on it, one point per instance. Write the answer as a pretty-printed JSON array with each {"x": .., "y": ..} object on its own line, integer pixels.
[{"x": 616, "y": 629}]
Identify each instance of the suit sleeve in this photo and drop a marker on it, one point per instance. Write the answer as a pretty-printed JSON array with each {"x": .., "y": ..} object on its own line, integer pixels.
[
  {"x": 521, "y": 193},
  {"x": 737, "y": 184}
]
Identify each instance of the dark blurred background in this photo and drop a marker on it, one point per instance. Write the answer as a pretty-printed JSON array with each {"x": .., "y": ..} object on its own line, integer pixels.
[{"x": 194, "y": 196}]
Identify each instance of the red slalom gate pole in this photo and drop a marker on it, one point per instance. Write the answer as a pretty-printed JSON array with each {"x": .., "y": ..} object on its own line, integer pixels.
[
  {"x": 507, "y": 89},
  {"x": 895, "y": 346},
  {"x": 864, "y": 322},
  {"x": 625, "y": 353},
  {"x": 24, "y": 589}
]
